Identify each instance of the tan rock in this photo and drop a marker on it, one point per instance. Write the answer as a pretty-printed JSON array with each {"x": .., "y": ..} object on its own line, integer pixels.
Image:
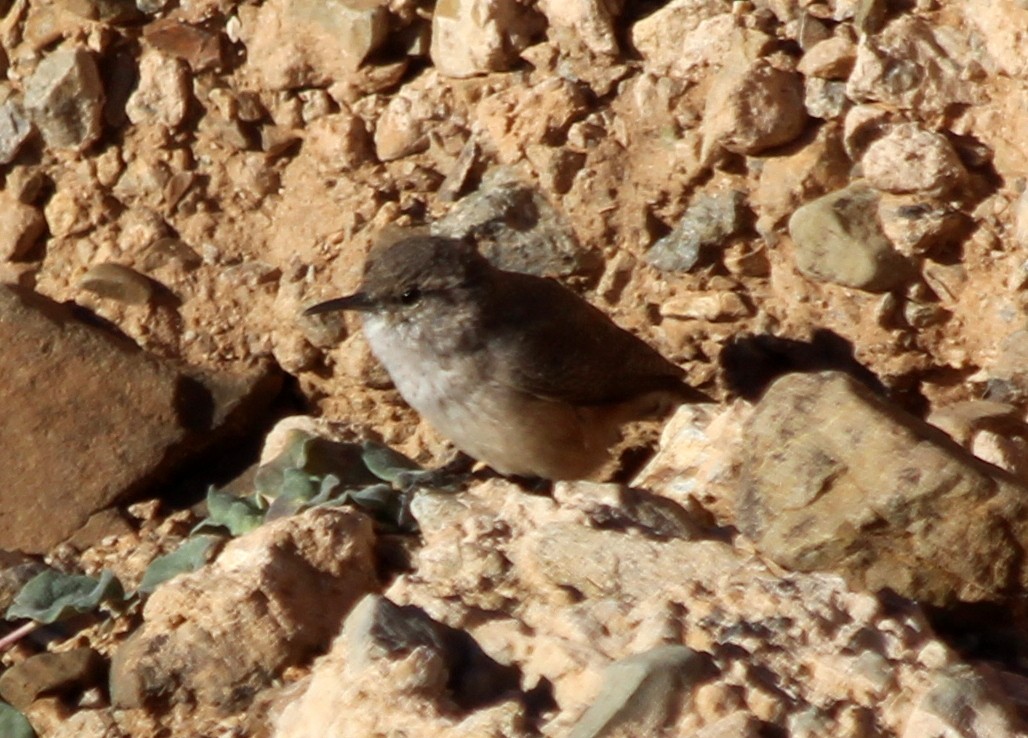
[
  {"x": 403, "y": 127},
  {"x": 20, "y": 228},
  {"x": 962, "y": 702},
  {"x": 832, "y": 58},
  {"x": 661, "y": 36},
  {"x": 909, "y": 158},
  {"x": 271, "y": 599},
  {"x": 590, "y": 20},
  {"x": 339, "y": 142},
  {"x": 917, "y": 225},
  {"x": 471, "y": 37},
  {"x": 835, "y": 478},
  {"x": 395, "y": 669},
  {"x": 788, "y": 180},
  {"x": 162, "y": 95},
  {"x": 753, "y": 109},
  {"x": 1001, "y": 28},
  {"x": 913, "y": 65},
  {"x": 304, "y": 43},
  {"x": 593, "y": 584}
]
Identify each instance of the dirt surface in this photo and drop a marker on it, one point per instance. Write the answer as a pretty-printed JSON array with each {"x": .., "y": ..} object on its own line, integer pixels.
[{"x": 196, "y": 174}]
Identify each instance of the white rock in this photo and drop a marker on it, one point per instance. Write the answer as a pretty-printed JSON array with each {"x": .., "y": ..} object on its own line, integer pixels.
[
  {"x": 661, "y": 36},
  {"x": 911, "y": 159},
  {"x": 590, "y": 20},
  {"x": 471, "y": 37},
  {"x": 913, "y": 65}
]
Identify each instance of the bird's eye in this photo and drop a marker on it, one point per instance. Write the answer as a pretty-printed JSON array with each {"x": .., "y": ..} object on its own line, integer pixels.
[{"x": 410, "y": 296}]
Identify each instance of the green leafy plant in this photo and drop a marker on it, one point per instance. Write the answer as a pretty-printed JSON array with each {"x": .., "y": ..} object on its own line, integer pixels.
[
  {"x": 52, "y": 595},
  {"x": 190, "y": 556},
  {"x": 13, "y": 724}
]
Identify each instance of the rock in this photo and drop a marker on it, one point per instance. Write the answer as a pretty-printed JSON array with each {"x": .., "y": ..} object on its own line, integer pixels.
[
  {"x": 115, "y": 12},
  {"x": 74, "y": 208},
  {"x": 836, "y": 479},
  {"x": 50, "y": 673},
  {"x": 592, "y": 21},
  {"x": 514, "y": 120},
  {"x": 862, "y": 126},
  {"x": 15, "y": 572},
  {"x": 403, "y": 127},
  {"x": 962, "y": 702},
  {"x": 753, "y": 109},
  {"x": 661, "y": 36},
  {"x": 394, "y": 668},
  {"x": 271, "y": 599},
  {"x": 642, "y": 693},
  {"x": 516, "y": 227},
  {"x": 713, "y": 307},
  {"x": 824, "y": 98},
  {"x": 311, "y": 43},
  {"x": 912, "y": 65},
  {"x": 838, "y": 239},
  {"x": 64, "y": 97},
  {"x": 340, "y": 142},
  {"x": 471, "y": 37},
  {"x": 1021, "y": 220},
  {"x": 832, "y": 59},
  {"x": 88, "y": 723},
  {"x": 499, "y": 564},
  {"x": 916, "y": 228},
  {"x": 174, "y": 37},
  {"x": 117, "y": 282},
  {"x": 162, "y": 95},
  {"x": 992, "y": 431},
  {"x": 910, "y": 159},
  {"x": 1000, "y": 30},
  {"x": 788, "y": 180},
  {"x": 1008, "y": 370},
  {"x": 20, "y": 228},
  {"x": 15, "y": 129},
  {"x": 111, "y": 417},
  {"x": 708, "y": 222}
]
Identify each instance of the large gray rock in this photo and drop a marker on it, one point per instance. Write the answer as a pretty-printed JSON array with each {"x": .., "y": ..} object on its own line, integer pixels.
[
  {"x": 90, "y": 419},
  {"x": 835, "y": 478},
  {"x": 64, "y": 96}
]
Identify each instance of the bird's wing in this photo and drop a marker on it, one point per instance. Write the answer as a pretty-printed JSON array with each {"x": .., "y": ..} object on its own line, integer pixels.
[{"x": 556, "y": 346}]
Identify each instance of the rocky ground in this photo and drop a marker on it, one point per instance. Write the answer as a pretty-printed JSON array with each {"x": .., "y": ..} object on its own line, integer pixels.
[{"x": 817, "y": 207}]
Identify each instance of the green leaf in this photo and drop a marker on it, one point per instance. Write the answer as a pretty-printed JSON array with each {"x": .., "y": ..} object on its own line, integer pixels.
[
  {"x": 238, "y": 515},
  {"x": 13, "y": 724},
  {"x": 190, "y": 556},
  {"x": 51, "y": 596},
  {"x": 385, "y": 463}
]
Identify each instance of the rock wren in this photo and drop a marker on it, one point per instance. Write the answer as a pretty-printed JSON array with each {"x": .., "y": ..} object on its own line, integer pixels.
[{"x": 516, "y": 370}]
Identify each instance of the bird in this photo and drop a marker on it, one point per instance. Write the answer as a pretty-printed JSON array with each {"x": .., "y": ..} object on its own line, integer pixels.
[{"x": 516, "y": 370}]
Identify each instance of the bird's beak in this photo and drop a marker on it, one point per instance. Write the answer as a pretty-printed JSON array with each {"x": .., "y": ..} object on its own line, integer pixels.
[{"x": 357, "y": 301}]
